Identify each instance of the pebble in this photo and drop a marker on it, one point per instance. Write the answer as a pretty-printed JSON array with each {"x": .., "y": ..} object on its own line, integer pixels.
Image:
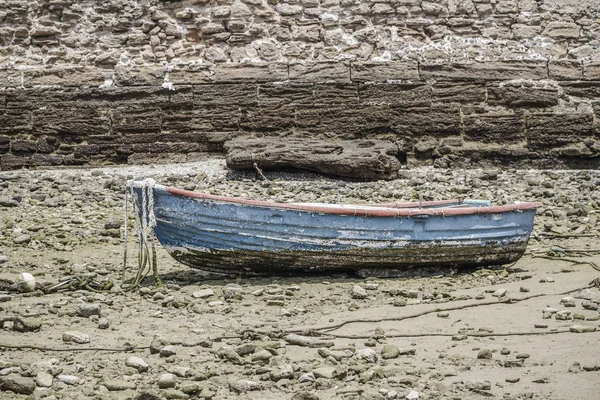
[
  {"x": 17, "y": 384},
  {"x": 3, "y": 259},
  {"x": 138, "y": 363},
  {"x": 390, "y": 351},
  {"x": 68, "y": 379},
  {"x": 324, "y": 372},
  {"x": 166, "y": 381},
  {"x": 87, "y": 310},
  {"x": 358, "y": 292},
  {"x": 522, "y": 356},
  {"x": 484, "y": 354},
  {"x": 590, "y": 305},
  {"x": 505, "y": 351},
  {"x": 413, "y": 395},
  {"x": 308, "y": 377},
  {"x": 307, "y": 341},
  {"x": 168, "y": 351},
  {"x": 499, "y": 293},
  {"x": 443, "y": 314},
  {"x": 541, "y": 326},
  {"x": 367, "y": 354},
  {"x": 117, "y": 385},
  {"x": 478, "y": 385},
  {"x": 578, "y": 328},
  {"x": 22, "y": 239},
  {"x": 563, "y": 315},
  {"x": 5, "y": 297},
  {"x": 568, "y": 301},
  {"x": 232, "y": 293},
  {"x": 103, "y": 323},
  {"x": 244, "y": 385},
  {"x": 203, "y": 294},
  {"x": 75, "y": 337},
  {"x": 513, "y": 379}
]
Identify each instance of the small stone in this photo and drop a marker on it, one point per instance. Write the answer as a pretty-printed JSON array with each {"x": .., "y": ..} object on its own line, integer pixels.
[
  {"x": 505, "y": 351},
  {"x": 244, "y": 385},
  {"x": 399, "y": 302},
  {"x": 203, "y": 294},
  {"x": 75, "y": 337},
  {"x": 522, "y": 356},
  {"x": 68, "y": 379},
  {"x": 563, "y": 315},
  {"x": 103, "y": 323},
  {"x": 541, "y": 380},
  {"x": 87, "y": 310},
  {"x": 568, "y": 301},
  {"x": 190, "y": 387},
  {"x": 512, "y": 363},
  {"x": 478, "y": 385},
  {"x": 17, "y": 384},
  {"x": 117, "y": 385},
  {"x": 412, "y": 395},
  {"x": 484, "y": 354},
  {"x": 390, "y": 351},
  {"x": 578, "y": 316},
  {"x": 174, "y": 394},
  {"x": 5, "y": 297},
  {"x": 578, "y": 328},
  {"x": 112, "y": 223},
  {"x": 232, "y": 293},
  {"x": 308, "y": 377},
  {"x": 540, "y": 326},
  {"x": 3, "y": 259},
  {"x": 457, "y": 338},
  {"x": 168, "y": 351},
  {"x": 590, "y": 305},
  {"x": 443, "y": 314},
  {"x": 499, "y": 293},
  {"x": 22, "y": 239},
  {"x": 138, "y": 363},
  {"x": 44, "y": 379},
  {"x": 358, "y": 292},
  {"x": 166, "y": 381},
  {"x": 367, "y": 354},
  {"x": 523, "y": 289},
  {"x": 324, "y": 372},
  {"x": 514, "y": 379}
]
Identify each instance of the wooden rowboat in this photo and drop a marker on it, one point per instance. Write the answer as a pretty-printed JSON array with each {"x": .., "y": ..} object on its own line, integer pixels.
[{"x": 235, "y": 235}]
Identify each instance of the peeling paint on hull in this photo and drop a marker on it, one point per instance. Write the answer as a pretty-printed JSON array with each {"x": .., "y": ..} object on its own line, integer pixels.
[{"x": 227, "y": 236}]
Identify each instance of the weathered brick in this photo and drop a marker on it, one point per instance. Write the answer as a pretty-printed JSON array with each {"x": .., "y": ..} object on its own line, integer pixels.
[
  {"x": 15, "y": 121},
  {"x": 257, "y": 119},
  {"x": 74, "y": 122},
  {"x": 216, "y": 118},
  {"x": 591, "y": 70},
  {"x": 586, "y": 90},
  {"x": 320, "y": 72},
  {"x": 131, "y": 75},
  {"x": 522, "y": 96},
  {"x": 10, "y": 77},
  {"x": 9, "y": 161},
  {"x": 66, "y": 75},
  {"x": 267, "y": 72},
  {"x": 136, "y": 119},
  {"x": 44, "y": 160},
  {"x": 493, "y": 127},
  {"x": 556, "y": 130},
  {"x": 4, "y": 144},
  {"x": 565, "y": 69},
  {"x": 396, "y": 95},
  {"x": 457, "y": 92},
  {"x": 336, "y": 93},
  {"x": 342, "y": 122},
  {"x": 240, "y": 94},
  {"x": 435, "y": 122},
  {"x": 192, "y": 74},
  {"x": 23, "y": 147},
  {"x": 277, "y": 94},
  {"x": 486, "y": 70},
  {"x": 384, "y": 71}
]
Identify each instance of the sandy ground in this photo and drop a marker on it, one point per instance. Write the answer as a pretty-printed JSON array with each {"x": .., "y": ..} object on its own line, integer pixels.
[{"x": 465, "y": 335}]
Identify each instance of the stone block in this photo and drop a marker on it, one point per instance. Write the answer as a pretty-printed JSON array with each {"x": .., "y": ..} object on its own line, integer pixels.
[
  {"x": 66, "y": 75},
  {"x": 565, "y": 69},
  {"x": 240, "y": 94},
  {"x": 15, "y": 121},
  {"x": 591, "y": 70},
  {"x": 45, "y": 160},
  {"x": 320, "y": 72},
  {"x": 276, "y": 94},
  {"x": 486, "y": 70},
  {"x": 263, "y": 72},
  {"x": 555, "y": 130},
  {"x": 181, "y": 96},
  {"x": 9, "y": 161},
  {"x": 192, "y": 74},
  {"x": 436, "y": 122},
  {"x": 73, "y": 122},
  {"x": 4, "y": 144},
  {"x": 336, "y": 93},
  {"x": 562, "y": 30},
  {"x": 130, "y": 75},
  {"x": 10, "y": 77},
  {"x": 136, "y": 119},
  {"x": 153, "y": 157},
  {"x": 23, "y": 147},
  {"x": 395, "y": 95},
  {"x": 207, "y": 119},
  {"x": 344, "y": 122},
  {"x": 586, "y": 90},
  {"x": 450, "y": 92},
  {"x": 371, "y": 71},
  {"x": 522, "y": 95},
  {"x": 260, "y": 119},
  {"x": 494, "y": 127}
]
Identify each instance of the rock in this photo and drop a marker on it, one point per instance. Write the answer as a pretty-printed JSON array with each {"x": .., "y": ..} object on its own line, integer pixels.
[
  {"x": 512, "y": 363},
  {"x": 117, "y": 385},
  {"x": 505, "y": 351},
  {"x": 244, "y": 385},
  {"x": 457, "y": 338},
  {"x": 589, "y": 305},
  {"x": 203, "y": 294},
  {"x": 3, "y": 259},
  {"x": 112, "y": 223},
  {"x": 174, "y": 394},
  {"x": 87, "y": 310},
  {"x": 484, "y": 354},
  {"x": 232, "y": 293},
  {"x": 358, "y": 292},
  {"x": 308, "y": 377},
  {"x": 522, "y": 356},
  {"x": 5, "y": 298},
  {"x": 17, "y": 384},
  {"x": 4, "y": 202},
  {"x": 592, "y": 294},
  {"x": 227, "y": 353},
  {"x": 103, "y": 323},
  {"x": 75, "y": 337},
  {"x": 499, "y": 293},
  {"x": 22, "y": 239},
  {"x": 443, "y": 314},
  {"x": 68, "y": 379},
  {"x": 367, "y": 354},
  {"x": 168, "y": 351},
  {"x": 577, "y": 328},
  {"x": 166, "y": 381},
  {"x": 138, "y": 363},
  {"x": 324, "y": 372},
  {"x": 540, "y": 326},
  {"x": 390, "y": 351},
  {"x": 26, "y": 282},
  {"x": 44, "y": 379},
  {"x": 478, "y": 385},
  {"x": 304, "y": 395},
  {"x": 513, "y": 379},
  {"x": 563, "y": 315},
  {"x": 568, "y": 301},
  {"x": 357, "y": 159},
  {"x": 190, "y": 387},
  {"x": 413, "y": 395},
  {"x": 307, "y": 341}
]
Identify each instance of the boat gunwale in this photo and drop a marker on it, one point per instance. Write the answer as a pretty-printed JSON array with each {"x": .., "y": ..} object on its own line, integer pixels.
[{"x": 394, "y": 209}]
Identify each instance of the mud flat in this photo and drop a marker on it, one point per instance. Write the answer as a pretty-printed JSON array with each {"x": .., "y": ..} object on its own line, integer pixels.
[{"x": 525, "y": 331}]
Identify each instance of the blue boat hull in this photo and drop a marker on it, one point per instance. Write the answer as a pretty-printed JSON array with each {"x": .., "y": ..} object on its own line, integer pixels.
[{"x": 238, "y": 238}]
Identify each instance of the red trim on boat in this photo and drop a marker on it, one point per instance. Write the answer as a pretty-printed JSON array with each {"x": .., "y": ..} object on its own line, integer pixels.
[{"x": 380, "y": 212}]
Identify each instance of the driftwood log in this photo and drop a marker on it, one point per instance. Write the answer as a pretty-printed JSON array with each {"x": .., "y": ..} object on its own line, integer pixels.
[{"x": 355, "y": 159}]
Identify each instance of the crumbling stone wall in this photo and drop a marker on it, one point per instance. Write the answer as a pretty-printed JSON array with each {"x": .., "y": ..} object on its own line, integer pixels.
[{"x": 452, "y": 82}]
